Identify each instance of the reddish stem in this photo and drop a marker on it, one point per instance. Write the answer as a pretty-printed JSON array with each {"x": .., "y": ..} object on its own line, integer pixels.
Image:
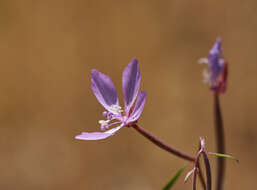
[
  {"x": 168, "y": 148},
  {"x": 163, "y": 145},
  {"x": 220, "y": 140},
  {"x": 201, "y": 177}
]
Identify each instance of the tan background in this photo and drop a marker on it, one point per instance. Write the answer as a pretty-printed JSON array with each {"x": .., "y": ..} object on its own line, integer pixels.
[{"x": 47, "y": 51}]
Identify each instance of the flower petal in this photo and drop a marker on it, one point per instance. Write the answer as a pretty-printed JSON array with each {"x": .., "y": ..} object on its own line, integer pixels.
[
  {"x": 216, "y": 48},
  {"x": 130, "y": 82},
  {"x": 104, "y": 90},
  {"x": 215, "y": 61},
  {"x": 138, "y": 107},
  {"x": 98, "y": 135}
]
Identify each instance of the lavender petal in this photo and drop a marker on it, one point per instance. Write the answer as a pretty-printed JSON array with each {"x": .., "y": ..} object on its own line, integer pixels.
[
  {"x": 138, "y": 107},
  {"x": 104, "y": 89},
  {"x": 215, "y": 61},
  {"x": 131, "y": 78},
  {"x": 98, "y": 135}
]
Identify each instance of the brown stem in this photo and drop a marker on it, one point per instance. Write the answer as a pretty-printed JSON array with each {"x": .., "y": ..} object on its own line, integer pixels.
[
  {"x": 220, "y": 140},
  {"x": 163, "y": 145}
]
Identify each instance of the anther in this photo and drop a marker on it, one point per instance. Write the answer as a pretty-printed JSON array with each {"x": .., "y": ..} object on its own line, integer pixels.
[
  {"x": 116, "y": 108},
  {"x": 104, "y": 124},
  {"x": 105, "y": 113}
]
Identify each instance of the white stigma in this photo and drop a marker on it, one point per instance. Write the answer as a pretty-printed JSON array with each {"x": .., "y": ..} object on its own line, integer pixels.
[
  {"x": 116, "y": 108},
  {"x": 103, "y": 122}
]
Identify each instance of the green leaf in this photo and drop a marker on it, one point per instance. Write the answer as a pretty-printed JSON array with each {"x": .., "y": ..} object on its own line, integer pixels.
[
  {"x": 173, "y": 179},
  {"x": 223, "y": 156}
]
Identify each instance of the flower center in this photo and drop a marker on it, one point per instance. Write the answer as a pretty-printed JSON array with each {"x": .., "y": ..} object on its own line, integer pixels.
[{"x": 111, "y": 116}]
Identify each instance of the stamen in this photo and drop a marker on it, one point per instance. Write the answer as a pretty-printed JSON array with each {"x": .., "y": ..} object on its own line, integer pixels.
[
  {"x": 104, "y": 124},
  {"x": 203, "y": 60},
  {"x": 110, "y": 116},
  {"x": 105, "y": 113},
  {"x": 104, "y": 127},
  {"x": 206, "y": 76},
  {"x": 107, "y": 126},
  {"x": 116, "y": 108}
]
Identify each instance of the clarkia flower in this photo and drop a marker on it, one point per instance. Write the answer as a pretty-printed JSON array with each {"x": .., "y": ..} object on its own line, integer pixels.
[
  {"x": 216, "y": 76},
  {"x": 104, "y": 90}
]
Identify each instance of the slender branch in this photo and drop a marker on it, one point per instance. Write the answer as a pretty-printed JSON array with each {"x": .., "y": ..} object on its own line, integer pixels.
[
  {"x": 195, "y": 177},
  {"x": 196, "y": 169},
  {"x": 207, "y": 169},
  {"x": 163, "y": 145},
  {"x": 201, "y": 172},
  {"x": 220, "y": 140}
]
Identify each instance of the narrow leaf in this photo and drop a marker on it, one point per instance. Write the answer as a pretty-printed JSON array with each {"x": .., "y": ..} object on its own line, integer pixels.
[
  {"x": 223, "y": 156},
  {"x": 173, "y": 179}
]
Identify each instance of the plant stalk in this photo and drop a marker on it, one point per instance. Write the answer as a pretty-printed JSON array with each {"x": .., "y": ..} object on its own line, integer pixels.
[
  {"x": 168, "y": 148},
  {"x": 163, "y": 145},
  {"x": 220, "y": 140}
]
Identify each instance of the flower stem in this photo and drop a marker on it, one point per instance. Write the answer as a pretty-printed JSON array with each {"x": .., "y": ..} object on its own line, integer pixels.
[
  {"x": 163, "y": 145},
  {"x": 220, "y": 140}
]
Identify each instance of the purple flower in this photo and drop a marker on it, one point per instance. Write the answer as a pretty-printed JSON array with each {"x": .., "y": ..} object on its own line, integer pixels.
[
  {"x": 216, "y": 76},
  {"x": 105, "y": 92}
]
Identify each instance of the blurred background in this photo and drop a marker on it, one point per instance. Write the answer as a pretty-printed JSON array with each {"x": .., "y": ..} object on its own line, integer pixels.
[{"x": 47, "y": 51}]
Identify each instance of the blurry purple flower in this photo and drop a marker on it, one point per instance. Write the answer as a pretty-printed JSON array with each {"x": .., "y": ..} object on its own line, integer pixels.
[
  {"x": 105, "y": 92},
  {"x": 216, "y": 76}
]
